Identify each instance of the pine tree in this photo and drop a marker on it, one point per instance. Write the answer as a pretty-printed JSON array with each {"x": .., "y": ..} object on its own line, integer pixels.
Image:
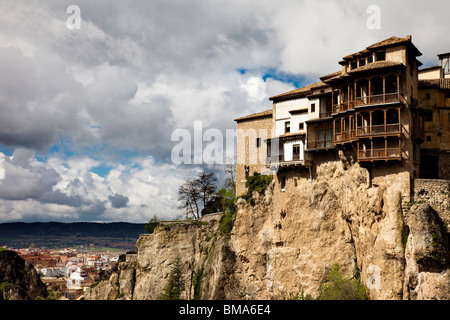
[{"x": 175, "y": 283}]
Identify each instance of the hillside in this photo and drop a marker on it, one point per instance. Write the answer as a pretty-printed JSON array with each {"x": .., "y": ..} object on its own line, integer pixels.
[
  {"x": 54, "y": 234},
  {"x": 81, "y": 229}
]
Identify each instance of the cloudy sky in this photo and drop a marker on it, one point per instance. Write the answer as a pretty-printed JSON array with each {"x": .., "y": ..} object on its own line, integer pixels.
[{"x": 86, "y": 115}]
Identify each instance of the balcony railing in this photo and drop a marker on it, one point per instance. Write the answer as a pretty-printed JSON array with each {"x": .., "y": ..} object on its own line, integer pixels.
[
  {"x": 380, "y": 154},
  {"x": 368, "y": 100},
  {"x": 326, "y": 114},
  {"x": 321, "y": 144},
  {"x": 341, "y": 137},
  {"x": 278, "y": 161},
  {"x": 380, "y": 129}
]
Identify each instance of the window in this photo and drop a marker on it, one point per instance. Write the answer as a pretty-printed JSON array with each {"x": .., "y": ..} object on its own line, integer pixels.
[
  {"x": 301, "y": 126},
  {"x": 258, "y": 142},
  {"x": 380, "y": 55},
  {"x": 354, "y": 65},
  {"x": 296, "y": 152},
  {"x": 428, "y": 96},
  {"x": 447, "y": 95},
  {"x": 428, "y": 138},
  {"x": 362, "y": 62},
  {"x": 287, "y": 127},
  {"x": 427, "y": 115},
  {"x": 370, "y": 59},
  {"x": 313, "y": 107}
]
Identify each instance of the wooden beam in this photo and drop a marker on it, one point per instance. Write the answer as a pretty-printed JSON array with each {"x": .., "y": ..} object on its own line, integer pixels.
[
  {"x": 398, "y": 88},
  {"x": 371, "y": 148},
  {"x": 385, "y": 147}
]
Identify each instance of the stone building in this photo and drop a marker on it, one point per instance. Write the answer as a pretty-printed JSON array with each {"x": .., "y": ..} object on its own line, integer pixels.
[
  {"x": 379, "y": 110},
  {"x": 251, "y": 151},
  {"x": 434, "y": 101}
]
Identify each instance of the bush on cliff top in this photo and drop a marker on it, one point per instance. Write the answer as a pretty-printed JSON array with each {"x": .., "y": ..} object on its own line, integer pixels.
[{"x": 258, "y": 183}]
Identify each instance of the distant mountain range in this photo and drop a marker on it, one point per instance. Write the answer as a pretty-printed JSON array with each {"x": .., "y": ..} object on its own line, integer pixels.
[{"x": 75, "y": 229}]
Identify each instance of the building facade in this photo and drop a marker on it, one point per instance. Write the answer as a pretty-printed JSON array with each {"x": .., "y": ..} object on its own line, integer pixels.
[
  {"x": 251, "y": 149},
  {"x": 373, "y": 111},
  {"x": 434, "y": 101}
]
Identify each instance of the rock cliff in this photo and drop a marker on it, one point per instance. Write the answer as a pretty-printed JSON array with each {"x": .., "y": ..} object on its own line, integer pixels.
[
  {"x": 18, "y": 278},
  {"x": 289, "y": 240}
]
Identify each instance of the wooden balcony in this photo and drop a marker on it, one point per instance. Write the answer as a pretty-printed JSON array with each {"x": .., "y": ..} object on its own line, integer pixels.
[
  {"x": 380, "y": 154},
  {"x": 324, "y": 115},
  {"x": 369, "y": 100},
  {"x": 344, "y": 137},
  {"x": 319, "y": 145},
  {"x": 381, "y": 129}
]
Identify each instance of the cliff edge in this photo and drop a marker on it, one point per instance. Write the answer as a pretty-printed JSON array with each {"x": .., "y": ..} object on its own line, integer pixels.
[{"x": 277, "y": 248}]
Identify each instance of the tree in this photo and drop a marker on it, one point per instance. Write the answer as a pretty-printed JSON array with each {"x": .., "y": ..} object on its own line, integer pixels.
[
  {"x": 206, "y": 184},
  {"x": 152, "y": 224},
  {"x": 230, "y": 176},
  {"x": 189, "y": 196},
  {"x": 196, "y": 193},
  {"x": 175, "y": 283}
]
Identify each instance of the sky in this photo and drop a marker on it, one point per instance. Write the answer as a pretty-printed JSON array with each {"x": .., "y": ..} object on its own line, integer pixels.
[{"x": 87, "y": 114}]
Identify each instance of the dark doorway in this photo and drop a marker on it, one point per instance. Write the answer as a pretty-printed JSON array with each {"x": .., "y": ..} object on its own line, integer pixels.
[{"x": 429, "y": 164}]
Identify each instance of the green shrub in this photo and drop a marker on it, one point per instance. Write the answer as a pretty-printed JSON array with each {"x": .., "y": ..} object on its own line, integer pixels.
[
  {"x": 226, "y": 222},
  {"x": 300, "y": 295},
  {"x": 338, "y": 287},
  {"x": 152, "y": 224},
  {"x": 258, "y": 183},
  {"x": 197, "y": 279}
]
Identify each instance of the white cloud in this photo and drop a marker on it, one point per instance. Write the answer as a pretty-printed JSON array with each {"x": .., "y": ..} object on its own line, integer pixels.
[{"x": 136, "y": 70}]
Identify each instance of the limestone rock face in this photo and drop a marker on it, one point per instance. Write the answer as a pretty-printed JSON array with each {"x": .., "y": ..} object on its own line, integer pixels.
[
  {"x": 18, "y": 278},
  {"x": 289, "y": 240},
  {"x": 116, "y": 285},
  {"x": 427, "y": 255}
]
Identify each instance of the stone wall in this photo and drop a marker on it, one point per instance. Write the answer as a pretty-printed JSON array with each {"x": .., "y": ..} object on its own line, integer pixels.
[
  {"x": 247, "y": 152},
  {"x": 444, "y": 165},
  {"x": 436, "y": 193}
]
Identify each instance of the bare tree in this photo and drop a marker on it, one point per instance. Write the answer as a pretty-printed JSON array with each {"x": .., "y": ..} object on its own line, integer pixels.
[
  {"x": 206, "y": 184},
  {"x": 194, "y": 194},
  {"x": 230, "y": 176},
  {"x": 188, "y": 195}
]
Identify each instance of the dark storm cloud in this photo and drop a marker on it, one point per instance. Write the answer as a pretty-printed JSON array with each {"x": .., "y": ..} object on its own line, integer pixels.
[
  {"x": 118, "y": 200},
  {"x": 38, "y": 100},
  {"x": 22, "y": 181}
]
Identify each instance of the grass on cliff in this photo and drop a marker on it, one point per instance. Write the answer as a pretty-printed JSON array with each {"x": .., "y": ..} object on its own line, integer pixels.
[{"x": 337, "y": 287}]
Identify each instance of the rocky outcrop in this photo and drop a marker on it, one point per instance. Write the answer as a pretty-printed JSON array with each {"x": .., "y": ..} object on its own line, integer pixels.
[
  {"x": 116, "y": 284},
  {"x": 427, "y": 272},
  {"x": 289, "y": 240},
  {"x": 18, "y": 278}
]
